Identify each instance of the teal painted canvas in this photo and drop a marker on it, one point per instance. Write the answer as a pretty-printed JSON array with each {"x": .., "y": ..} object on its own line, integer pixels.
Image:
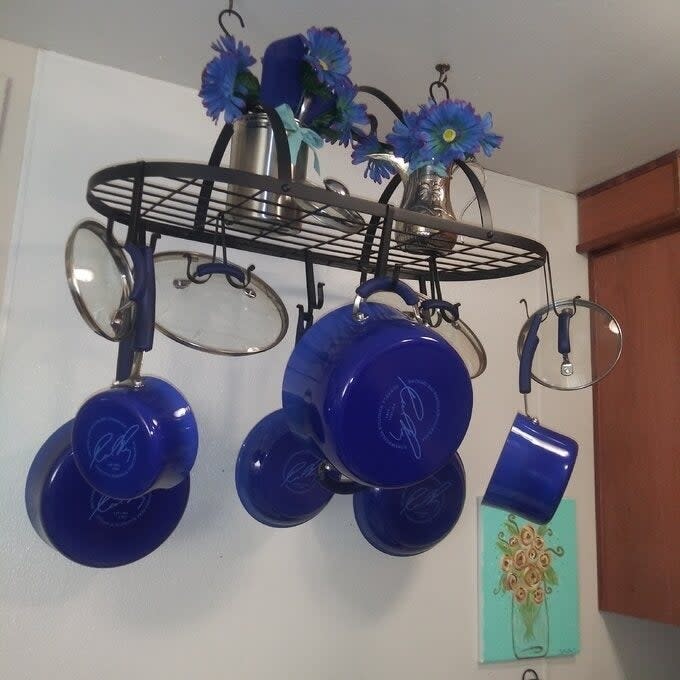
[{"x": 528, "y": 585}]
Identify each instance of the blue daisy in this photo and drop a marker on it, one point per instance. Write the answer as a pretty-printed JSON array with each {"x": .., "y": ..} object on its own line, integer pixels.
[
  {"x": 452, "y": 130},
  {"x": 328, "y": 55},
  {"x": 226, "y": 44},
  {"x": 377, "y": 170},
  {"x": 348, "y": 114},
  {"x": 408, "y": 140},
  {"x": 489, "y": 140},
  {"x": 219, "y": 91}
]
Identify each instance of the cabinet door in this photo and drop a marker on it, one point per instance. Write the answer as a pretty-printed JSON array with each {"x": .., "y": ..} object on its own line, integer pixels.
[{"x": 637, "y": 432}]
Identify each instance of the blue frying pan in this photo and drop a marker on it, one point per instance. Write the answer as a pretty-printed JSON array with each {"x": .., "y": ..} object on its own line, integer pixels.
[
  {"x": 276, "y": 474},
  {"x": 86, "y": 526},
  {"x": 405, "y": 522}
]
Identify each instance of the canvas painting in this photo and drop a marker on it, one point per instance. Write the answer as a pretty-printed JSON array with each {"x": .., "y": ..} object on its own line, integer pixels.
[{"x": 528, "y": 585}]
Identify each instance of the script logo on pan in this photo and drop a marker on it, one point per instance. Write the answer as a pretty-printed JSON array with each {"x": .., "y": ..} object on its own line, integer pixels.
[
  {"x": 299, "y": 473},
  {"x": 116, "y": 513},
  {"x": 424, "y": 502},
  {"x": 408, "y": 415},
  {"x": 111, "y": 446}
]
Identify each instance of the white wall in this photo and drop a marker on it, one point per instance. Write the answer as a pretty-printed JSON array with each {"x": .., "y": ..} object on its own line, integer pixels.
[
  {"x": 17, "y": 63},
  {"x": 225, "y": 596}
]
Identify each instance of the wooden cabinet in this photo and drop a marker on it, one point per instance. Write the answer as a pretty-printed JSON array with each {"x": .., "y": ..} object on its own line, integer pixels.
[{"x": 637, "y": 420}]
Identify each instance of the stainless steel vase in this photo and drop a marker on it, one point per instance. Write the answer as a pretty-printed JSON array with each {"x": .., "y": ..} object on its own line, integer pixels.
[
  {"x": 427, "y": 193},
  {"x": 253, "y": 149}
]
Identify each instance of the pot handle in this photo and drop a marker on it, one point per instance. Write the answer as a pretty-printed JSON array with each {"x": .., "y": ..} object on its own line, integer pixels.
[
  {"x": 385, "y": 284},
  {"x": 528, "y": 351},
  {"x": 390, "y": 285},
  {"x": 563, "y": 321},
  {"x": 221, "y": 268},
  {"x": 342, "y": 486}
]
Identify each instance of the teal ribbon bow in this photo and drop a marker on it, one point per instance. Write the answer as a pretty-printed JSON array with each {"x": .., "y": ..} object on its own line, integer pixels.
[{"x": 297, "y": 136}]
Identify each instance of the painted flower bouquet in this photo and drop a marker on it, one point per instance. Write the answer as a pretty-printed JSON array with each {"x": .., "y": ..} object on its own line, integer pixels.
[
  {"x": 304, "y": 77},
  {"x": 528, "y": 574}
]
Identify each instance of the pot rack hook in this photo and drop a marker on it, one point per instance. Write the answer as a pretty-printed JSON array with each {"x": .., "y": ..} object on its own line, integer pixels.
[
  {"x": 440, "y": 83},
  {"x": 315, "y": 300},
  {"x": 526, "y": 306},
  {"x": 230, "y": 11}
]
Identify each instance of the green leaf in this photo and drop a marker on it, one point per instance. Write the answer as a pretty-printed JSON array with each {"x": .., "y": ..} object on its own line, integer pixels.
[
  {"x": 249, "y": 82},
  {"x": 504, "y": 548},
  {"x": 550, "y": 576},
  {"x": 542, "y": 529},
  {"x": 511, "y": 528}
]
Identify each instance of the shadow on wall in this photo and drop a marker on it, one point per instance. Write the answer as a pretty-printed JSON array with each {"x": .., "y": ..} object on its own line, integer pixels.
[
  {"x": 645, "y": 649},
  {"x": 369, "y": 585}
]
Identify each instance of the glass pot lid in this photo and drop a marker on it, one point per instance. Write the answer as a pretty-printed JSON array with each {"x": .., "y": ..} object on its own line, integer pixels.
[
  {"x": 583, "y": 322},
  {"x": 100, "y": 280},
  {"x": 455, "y": 331},
  {"x": 214, "y": 313}
]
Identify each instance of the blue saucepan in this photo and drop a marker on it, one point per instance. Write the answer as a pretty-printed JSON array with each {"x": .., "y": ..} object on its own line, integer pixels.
[
  {"x": 276, "y": 474},
  {"x": 385, "y": 398},
  {"x": 535, "y": 465},
  {"x": 140, "y": 434},
  {"x": 86, "y": 526},
  {"x": 404, "y": 522}
]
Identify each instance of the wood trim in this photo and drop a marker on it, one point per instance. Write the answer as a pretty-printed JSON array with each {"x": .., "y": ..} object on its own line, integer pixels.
[
  {"x": 638, "y": 232},
  {"x": 630, "y": 174},
  {"x": 638, "y": 204}
]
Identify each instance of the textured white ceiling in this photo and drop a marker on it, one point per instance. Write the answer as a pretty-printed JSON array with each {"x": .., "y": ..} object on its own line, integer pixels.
[{"x": 581, "y": 89}]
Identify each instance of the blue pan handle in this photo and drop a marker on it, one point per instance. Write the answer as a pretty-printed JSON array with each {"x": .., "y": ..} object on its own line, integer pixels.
[
  {"x": 330, "y": 479},
  {"x": 450, "y": 307},
  {"x": 390, "y": 285},
  {"x": 563, "y": 342},
  {"x": 221, "y": 268},
  {"x": 528, "y": 352},
  {"x": 144, "y": 295}
]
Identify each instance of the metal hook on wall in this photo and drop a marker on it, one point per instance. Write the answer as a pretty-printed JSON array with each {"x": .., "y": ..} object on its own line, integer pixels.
[
  {"x": 230, "y": 11},
  {"x": 442, "y": 69},
  {"x": 530, "y": 674}
]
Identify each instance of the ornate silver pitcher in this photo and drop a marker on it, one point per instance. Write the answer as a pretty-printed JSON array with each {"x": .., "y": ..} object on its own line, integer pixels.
[{"x": 428, "y": 193}]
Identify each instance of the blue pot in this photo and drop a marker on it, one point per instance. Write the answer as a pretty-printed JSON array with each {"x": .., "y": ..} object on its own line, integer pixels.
[
  {"x": 86, "y": 526},
  {"x": 276, "y": 474},
  {"x": 404, "y": 522},
  {"x": 385, "y": 398},
  {"x": 532, "y": 472},
  {"x": 135, "y": 437}
]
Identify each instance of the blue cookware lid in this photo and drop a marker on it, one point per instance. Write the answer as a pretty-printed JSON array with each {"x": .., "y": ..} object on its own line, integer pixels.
[
  {"x": 86, "y": 526},
  {"x": 409, "y": 521},
  {"x": 276, "y": 474}
]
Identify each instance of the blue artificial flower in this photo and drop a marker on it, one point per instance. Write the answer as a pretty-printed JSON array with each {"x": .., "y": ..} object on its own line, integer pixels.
[
  {"x": 348, "y": 114},
  {"x": 226, "y": 44},
  {"x": 489, "y": 140},
  {"x": 328, "y": 55},
  {"x": 408, "y": 140},
  {"x": 452, "y": 130},
  {"x": 377, "y": 170},
  {"x": 219, "y": 90}
]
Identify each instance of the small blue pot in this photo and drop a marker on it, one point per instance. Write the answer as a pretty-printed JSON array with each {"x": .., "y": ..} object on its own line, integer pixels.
[
  {"x": 532, "y": 472},
  {"x": 135, "y": 437},
  {"x": 276, "y": 475},
  {"x": 86, "y": 526},
  {"x": 386, "y": 399},
  {"x": 405, "y": 522}
]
